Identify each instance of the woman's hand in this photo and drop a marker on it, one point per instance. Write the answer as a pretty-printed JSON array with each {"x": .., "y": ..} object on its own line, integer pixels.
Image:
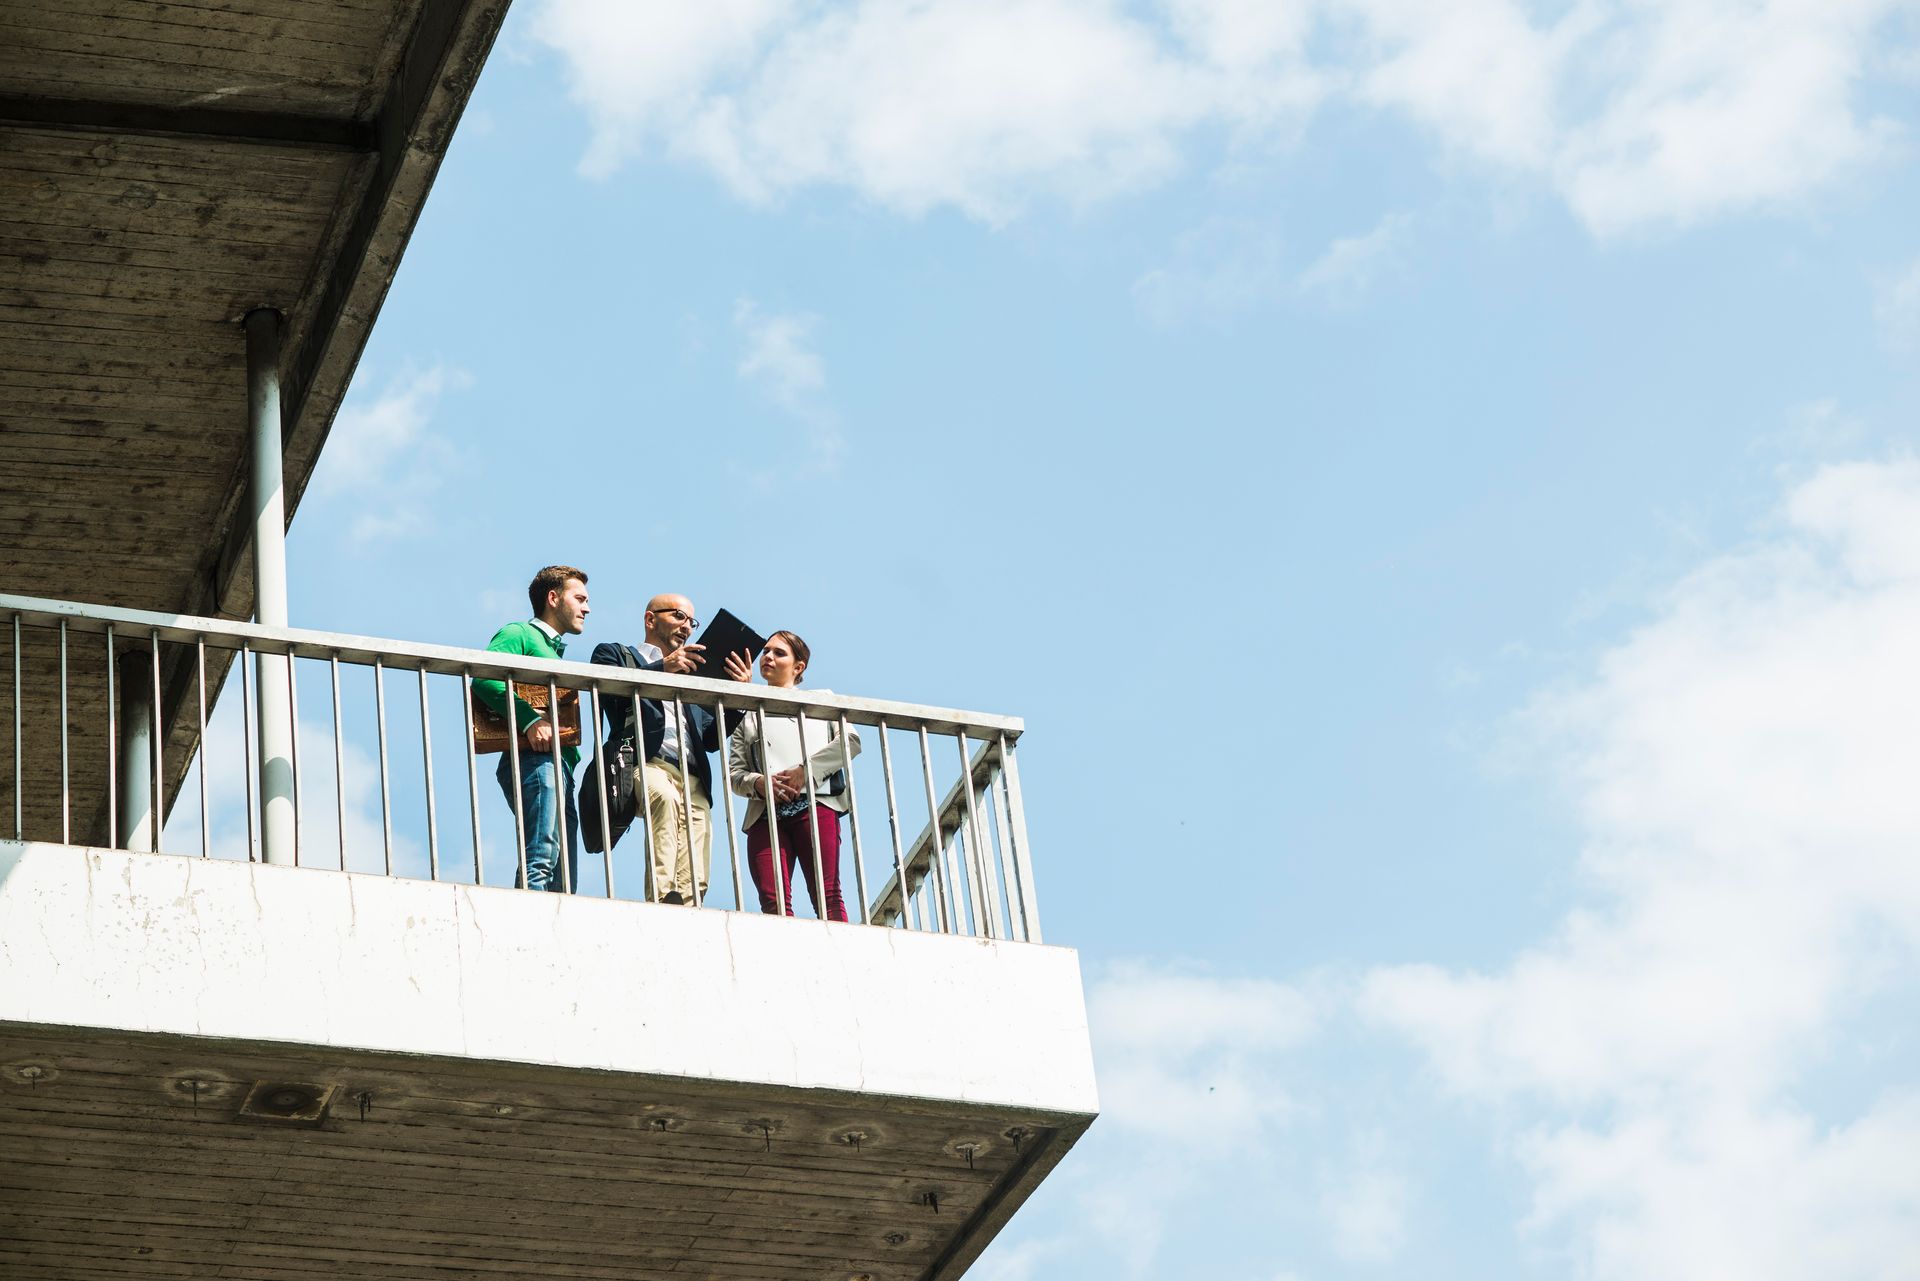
[
  {"x": 739, "y": 666},
  {"x": 789, "y": 784}
]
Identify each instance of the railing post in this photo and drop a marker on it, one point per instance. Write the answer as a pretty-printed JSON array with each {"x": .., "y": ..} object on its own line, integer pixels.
[
  {"x": 136, "y": 797},
  {"x": 270, "y": 583},
  {"x": 1017, "y": 834}
]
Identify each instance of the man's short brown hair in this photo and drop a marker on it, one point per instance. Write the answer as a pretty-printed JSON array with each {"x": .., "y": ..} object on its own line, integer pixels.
[{"x": 554, "y": 578}]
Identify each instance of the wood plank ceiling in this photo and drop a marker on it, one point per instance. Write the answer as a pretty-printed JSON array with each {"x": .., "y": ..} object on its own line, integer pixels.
[
  {"x": 138, "y": 1157},
  {"x": 164, "y": 169}
]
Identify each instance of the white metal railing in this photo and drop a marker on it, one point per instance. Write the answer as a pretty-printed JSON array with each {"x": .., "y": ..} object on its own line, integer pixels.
[{"x": 954, "y": 860}]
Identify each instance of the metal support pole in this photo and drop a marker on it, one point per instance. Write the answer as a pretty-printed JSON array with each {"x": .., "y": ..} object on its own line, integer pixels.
[
  {"x": 781, "y": 890},
  {"x": 426, "y": 755},
  {"x": 986, "y": 897},
  {"x": 380, "y": 734},
  {"x": 19, "y": 802},
  {"x": 820, "y": 909},
  {"x": 200, "y": 691},
  {"x": 270, "y": 583},
  {"x": 136, "y": 760},
  {"x": 687, "y": 748},
  {"x": 473, "y": 778},
  {"x": 1003, "y": 825},
  {"x": 339, "y": 762},
  {"x": 293, "y": 739},
  {"x": 155, "y": 739},
  {"x": 66, "y": 796},
  {"x": 650, "y": 891},
  {"x": 562, "y": 788},
  {"x": 1017, "y": 829},
  {"x": 893, "y": 829},
  {"x": 113, "y": 753},
  {"x": 725, "y": 803},
  {"x": 946, "y": 892},
  {"x": 853, "y": 825},
  {"x": 592, "y": 717},
  {"x": 519, "y": 790},
  {"x": 247, "y": 758}
]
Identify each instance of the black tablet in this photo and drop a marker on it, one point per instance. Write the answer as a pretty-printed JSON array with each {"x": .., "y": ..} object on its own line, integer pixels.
[{"x": 725, "y": 634}]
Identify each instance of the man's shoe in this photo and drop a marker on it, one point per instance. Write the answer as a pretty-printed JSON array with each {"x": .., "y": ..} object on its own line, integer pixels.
[{"x": 672, "y": 896}]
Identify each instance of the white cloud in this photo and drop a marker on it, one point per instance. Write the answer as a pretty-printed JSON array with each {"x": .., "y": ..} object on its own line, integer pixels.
[
  {"x": 1195, "y": 1081},
  {"x": 778, "y": 357},
  {"x": 1637, "y": 114},
  {"x": 1897, "y": 307},
  {"x": 1744, "y": 767},
  {"x": 1729, "y": 1191},
  {"x": 1817, "y": 429},
  {"x": 919, "y": 103},
  {"x": 382, "y": 463},
  {"x": 1476, "y": 72},
  {"x": 1351, "y": 264},
  {"x": 1720, "y": 105},
  {"x": 1365, "y": 1210},
  {"x": 1194, "y": 1060},
  {"x": 641, "y": 68},
  {"x": 1218, "y": 269}
]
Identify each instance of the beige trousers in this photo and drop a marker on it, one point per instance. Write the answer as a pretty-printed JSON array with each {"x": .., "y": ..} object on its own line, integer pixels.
[{"x": 682, "y": 834}]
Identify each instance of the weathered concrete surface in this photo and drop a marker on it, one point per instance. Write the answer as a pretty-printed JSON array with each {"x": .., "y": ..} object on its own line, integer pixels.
[{"x": 166, "y": 944}]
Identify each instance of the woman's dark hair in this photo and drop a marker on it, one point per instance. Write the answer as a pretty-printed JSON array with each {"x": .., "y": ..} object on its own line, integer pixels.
[{"x": 798, "y": 646}]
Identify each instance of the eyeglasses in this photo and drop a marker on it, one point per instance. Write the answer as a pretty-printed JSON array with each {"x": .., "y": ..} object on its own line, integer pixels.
[{"x": 678, "y": 616}]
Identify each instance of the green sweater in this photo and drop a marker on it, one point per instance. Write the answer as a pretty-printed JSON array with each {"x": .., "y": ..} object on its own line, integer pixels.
[{"x": 519, "y": 638}]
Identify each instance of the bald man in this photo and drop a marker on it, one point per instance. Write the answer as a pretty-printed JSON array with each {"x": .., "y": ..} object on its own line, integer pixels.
[{"x": 674, "y": 768}]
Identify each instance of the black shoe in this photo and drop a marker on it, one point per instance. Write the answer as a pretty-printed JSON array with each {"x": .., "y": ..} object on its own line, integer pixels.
[{"x": 672, "y": 896}]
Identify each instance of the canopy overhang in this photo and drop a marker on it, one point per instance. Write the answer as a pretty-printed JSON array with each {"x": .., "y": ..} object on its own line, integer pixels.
[{"x": 164, "y": 170}]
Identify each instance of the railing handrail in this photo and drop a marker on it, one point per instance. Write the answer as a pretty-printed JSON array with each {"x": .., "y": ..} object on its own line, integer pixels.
[
  {"x": 451, "y": 660},
  {"x": 969, "y": 866}
]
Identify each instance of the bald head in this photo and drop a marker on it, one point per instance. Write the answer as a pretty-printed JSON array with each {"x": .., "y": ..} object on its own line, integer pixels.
[{"x": 669, "y": 621}]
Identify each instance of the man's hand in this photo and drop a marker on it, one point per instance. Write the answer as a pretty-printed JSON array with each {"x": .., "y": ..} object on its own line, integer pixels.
[
  {"x": 685, "y": 661},
  {"x": 739, "y": 666},
  {"x": 540, "y": 736}
]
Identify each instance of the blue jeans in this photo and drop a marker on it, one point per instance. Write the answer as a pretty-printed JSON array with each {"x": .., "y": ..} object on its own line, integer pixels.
[{"x": 537, "y": 797}]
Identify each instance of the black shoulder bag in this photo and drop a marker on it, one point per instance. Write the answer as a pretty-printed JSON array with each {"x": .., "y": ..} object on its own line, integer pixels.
[{"x": 613, "y": 774}]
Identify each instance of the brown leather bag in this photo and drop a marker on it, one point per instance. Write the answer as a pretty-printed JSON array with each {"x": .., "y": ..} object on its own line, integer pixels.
[{"x": 490, "y": 728}]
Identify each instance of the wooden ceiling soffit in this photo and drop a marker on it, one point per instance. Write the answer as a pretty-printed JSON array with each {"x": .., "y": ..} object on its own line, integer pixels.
[
  {"x": 436, "y": 74},
  {"x": 398, "y": 154}
]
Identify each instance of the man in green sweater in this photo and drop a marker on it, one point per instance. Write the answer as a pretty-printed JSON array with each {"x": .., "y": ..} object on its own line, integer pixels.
[{"x": 558, "y": 595}]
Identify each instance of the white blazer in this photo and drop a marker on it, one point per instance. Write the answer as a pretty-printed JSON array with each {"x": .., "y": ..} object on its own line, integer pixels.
[{"x": 828, "y": 753}]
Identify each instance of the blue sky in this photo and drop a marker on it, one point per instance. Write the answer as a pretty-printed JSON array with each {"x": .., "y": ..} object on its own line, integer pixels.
[{"x": 1436, "y": 480}]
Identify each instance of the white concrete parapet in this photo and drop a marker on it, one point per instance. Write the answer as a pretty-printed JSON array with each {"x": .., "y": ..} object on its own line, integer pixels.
[{"x": 198, "y": 947}]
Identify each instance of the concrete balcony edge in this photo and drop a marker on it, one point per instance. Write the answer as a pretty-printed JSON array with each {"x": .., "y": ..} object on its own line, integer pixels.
[{"x": 236, "y": 951}]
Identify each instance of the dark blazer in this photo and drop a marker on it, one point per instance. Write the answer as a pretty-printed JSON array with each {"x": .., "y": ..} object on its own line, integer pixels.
[{"x": 703, "y": 731}]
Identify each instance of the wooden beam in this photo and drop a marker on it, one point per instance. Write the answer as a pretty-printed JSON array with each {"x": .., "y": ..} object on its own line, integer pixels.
[{"x": 274, "y": 129}]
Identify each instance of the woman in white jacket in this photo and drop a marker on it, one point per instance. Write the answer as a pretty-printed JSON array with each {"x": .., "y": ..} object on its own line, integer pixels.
[{"x": 764, "y": 760}]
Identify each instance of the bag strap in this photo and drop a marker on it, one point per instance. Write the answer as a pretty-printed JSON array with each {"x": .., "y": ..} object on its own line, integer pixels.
[{"x": 629, "y": 659}]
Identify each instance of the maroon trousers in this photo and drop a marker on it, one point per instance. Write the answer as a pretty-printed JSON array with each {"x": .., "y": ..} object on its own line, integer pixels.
[{"x": 796, "y": 850}]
